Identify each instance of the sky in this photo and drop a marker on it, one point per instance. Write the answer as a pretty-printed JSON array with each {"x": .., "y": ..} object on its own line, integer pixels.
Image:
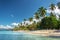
[{"x": 14, "y": 11}]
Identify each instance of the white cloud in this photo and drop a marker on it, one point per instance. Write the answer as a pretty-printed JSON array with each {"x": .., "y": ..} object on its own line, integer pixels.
[
  {"x": 56, "y": 11},
  {"x": 36, "y": 20},
  {"x": 5, "y": 27},
  {"x": 30, "y": 22},
  {"x": 14, "y": 24},
  {"x": 26, "y": 22},
  {"x": 8, "y": 26},
  {"x": 12, "y": 15},
  {"x": 57, "y": 16}
]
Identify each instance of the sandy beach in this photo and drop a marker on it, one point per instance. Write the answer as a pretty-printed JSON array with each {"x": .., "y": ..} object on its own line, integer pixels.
[{"x": 42, "y": 32}]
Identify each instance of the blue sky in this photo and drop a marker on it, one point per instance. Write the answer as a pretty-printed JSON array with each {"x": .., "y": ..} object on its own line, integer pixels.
[{"x": 16, "y": 10}]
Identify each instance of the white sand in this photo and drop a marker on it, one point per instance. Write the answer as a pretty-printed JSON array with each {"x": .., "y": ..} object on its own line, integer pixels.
[{"x": 42, "y": 32}]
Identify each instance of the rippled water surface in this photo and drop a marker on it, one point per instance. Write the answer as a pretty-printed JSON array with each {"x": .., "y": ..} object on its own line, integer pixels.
[{"x": 9, "y": 35}]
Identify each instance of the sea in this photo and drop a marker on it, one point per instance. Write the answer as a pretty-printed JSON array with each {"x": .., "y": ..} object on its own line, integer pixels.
[{"x": 10, "y": 35}]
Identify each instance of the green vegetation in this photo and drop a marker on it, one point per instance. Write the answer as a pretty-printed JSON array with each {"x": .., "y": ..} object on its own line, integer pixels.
[
  {"x": 42, "y": 11},
  {"x": 49, "y": 23},
  {"x": 30, "y": 19},
  {"x": 46, "y": 22}
]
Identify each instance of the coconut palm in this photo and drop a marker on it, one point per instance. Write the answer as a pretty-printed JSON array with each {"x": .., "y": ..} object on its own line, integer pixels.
[
  {"x": 21, "y": 24},
  {"x": 30, "y": 19},
  {"x": 24, "y": 21},
  {"x": 51, "y": 14},
  {"x": 59, "y": 17},
  {"x": 52, "y": 6},
  {"x": 36, "y": 15},
  {"x": 58, "y": 4},
  {"x": 42, "y": 11}
]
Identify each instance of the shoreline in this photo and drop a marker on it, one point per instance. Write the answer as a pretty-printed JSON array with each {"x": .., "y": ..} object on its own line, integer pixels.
[{"x": 42, "y": 32}]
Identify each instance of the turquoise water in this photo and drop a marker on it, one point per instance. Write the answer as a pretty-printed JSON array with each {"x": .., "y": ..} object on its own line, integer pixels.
[{"x": 9, "y": 35}]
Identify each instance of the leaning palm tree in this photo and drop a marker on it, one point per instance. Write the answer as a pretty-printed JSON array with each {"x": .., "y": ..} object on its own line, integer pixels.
[
  {"x": 58, "y": 4},
  {"x": 52, "y": 6},
  {"x": 42, "y": 11},
  {"x": 30, "y": 19},
  {"x": 37, "y": 16}
]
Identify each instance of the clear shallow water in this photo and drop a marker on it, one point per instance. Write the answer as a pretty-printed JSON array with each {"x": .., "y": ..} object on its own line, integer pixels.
[{"x": 9, "y": 35}]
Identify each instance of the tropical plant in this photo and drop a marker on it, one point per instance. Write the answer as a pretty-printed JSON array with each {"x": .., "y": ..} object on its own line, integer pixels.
[
  {"x": 58, "y": 4},
  {"x": 59, "y": 17},
  {"x": 33, "y": 26},
  {"x": 42, "y": 11},
  {"x": 58, "y": 27},
  {"x": 37, "y": 15},
  {"x": 52, "y": 14},
  {"x": 52, "y": 6},
  {"x": 24, "y": 21},
  {"x": 49, "y": 23},
  {"x": 30, "y": 19}
]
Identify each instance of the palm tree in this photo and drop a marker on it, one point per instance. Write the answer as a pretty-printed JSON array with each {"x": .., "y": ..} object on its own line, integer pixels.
[
  {"x": 42, "y": 11},
  {"x": 59, "y": 17},
  {"x": 36, "y": 15},
  {"x": 30, "y": 19},
  {"x": 21, "y": 24},
  {"x": 24, "y": 21},
  {"x": 51, "y": 14},
  {"x": 33, "y": 26},
  {"x": 58, "y": 4},
  {"x": 52, "y": 6}
]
